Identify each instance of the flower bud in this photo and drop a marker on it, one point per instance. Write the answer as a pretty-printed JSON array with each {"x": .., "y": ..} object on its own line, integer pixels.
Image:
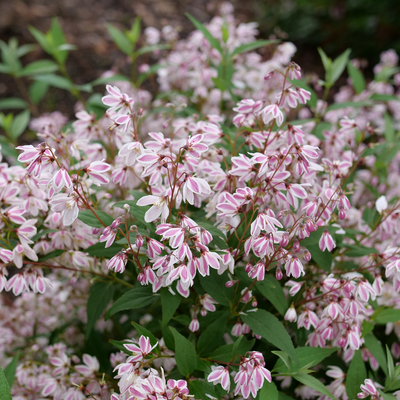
[{"x": 278, "y": 274}]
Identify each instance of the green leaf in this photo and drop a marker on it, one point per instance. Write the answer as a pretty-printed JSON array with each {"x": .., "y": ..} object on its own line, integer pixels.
[
  {"x": 88, "y": 218},
  {"x": 211, "y": 39},
  {"x": 100, "y": 294},
  {"x": 389, "y": 129},
  {"x": 37, "y": 91},
  {"x": 228, "y": 352},
  {"x": 211, "y": 338},
  {"x": 137, "y": 297},
  {"x": 374, "y": 346},
  {"x": 39, "y": 67},
  {"x": 252, "y": 46},
  {"x": 152, "y": 48},
  {"x": 52, "y": 254},
  {"x": 214, "y": 285},
  {"x": 5, "y": 392},
  {"x": 265, "y": 324},
  {"x": 11, "y": 368},
  {"x": 136, "y": 211},
  {"x": 367, "y": 327},
  {"x": 219, "y": 239},
  {"x": 268, "y": 391},
  {"x": 54, "y": 80},
  {"x": 19, "y": 124},
  {"x": 357, "y": 78},
  {"x": 322, "y": 258},
  {"x": 12, "y": 102},
  {"x": 384, "y": 97},
  {"x": 144, "y": 332},
  {"x": 355, "y": 376},
  {"x": 200, "y": 389},
  {"x": 385, "y": 316},
  {"x": 120, "y": 39},
  {"x": 390, "y": 363},
  {"x": 326, "y": 61},
  {"x": 359, "y": 251},
  {"x": 42, "y": 39},
  {"x": 307, "y": 356},
  {"x": 271, "y": 289},
  {"x": 99, "y": 250},
  {"x": 169, "y": 304},
  {"x": 134, "y": 33},
  {"x": 42, "y": 233},
  {"x": 313, "y": 383},
  {"x": 338, "y": 66},
  {"x": 120, "y": 346},
  {"x": 355, "y": 104},
  {"x": 186, "y": 356}
]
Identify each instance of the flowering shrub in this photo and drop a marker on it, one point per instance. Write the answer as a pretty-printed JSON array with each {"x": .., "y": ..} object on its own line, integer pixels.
[{"x": 232, "y": 236}]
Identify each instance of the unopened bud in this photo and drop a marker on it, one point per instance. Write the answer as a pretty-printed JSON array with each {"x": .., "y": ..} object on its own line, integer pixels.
[{"x": 278, "y": 274}]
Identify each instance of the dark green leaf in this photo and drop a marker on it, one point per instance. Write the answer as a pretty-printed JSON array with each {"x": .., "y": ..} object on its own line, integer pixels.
[
  {"x": 270, "y": 328},
  {"x": 137, "y": 297},
  {"x": 384, "y": 97},
  {"x": 389, "y": 129},
  {"x": 88, "y": 218},
  {"x": 145, "y": 332},
  {"x": 219, "y": 239},
  {"x": 200, "y": 389},
  {"x": 37, "y": 91},
  {"x": 52, "y": 254},
  {"x": 169, "y": 304},
  {"x": 224, "y": 353},
  {"x": 42, "y": 233},
  {"x": 137, "y": 211},
  {"x": 11, "y": 368},
  {"x": 374, "y": 346},
  {"x": 186, "y": 356},
  {"x": 120, "y": 346},
  {"x": 313, "y": 383},
  {"x": 212, "y": 336},
  {"x": 322, "y": 258},
  {"x": 271, "y": 289},
  {"x": 101, "y": 293},
  {"x": 356, "y": 375},
  {"x": 214, "y": 285},
  {"x": 99, "y": 250}
]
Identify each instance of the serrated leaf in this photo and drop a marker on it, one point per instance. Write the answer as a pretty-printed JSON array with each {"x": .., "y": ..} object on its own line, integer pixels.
[
  {"x": 186, "y": 356},
  {"x": 88, "y": 218},
  {"x": 313, "y": 383},
  {"x": 20, "y": 123},
  {"x": 169, "y": 304},
  {"x": 272, "y": 290},
  {"x": 355, "y": 376},
  {"x": 100, "y": 295},
  {"x": 269, "y": 327},
  {"x": 11, "y": 369},
  {"x": 137, "y": 297},
  {"x": 5, "y": 392}
]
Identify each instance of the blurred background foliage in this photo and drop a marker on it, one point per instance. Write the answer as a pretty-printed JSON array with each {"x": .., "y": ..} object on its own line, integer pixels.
[{"x": 368, "y": 27}]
